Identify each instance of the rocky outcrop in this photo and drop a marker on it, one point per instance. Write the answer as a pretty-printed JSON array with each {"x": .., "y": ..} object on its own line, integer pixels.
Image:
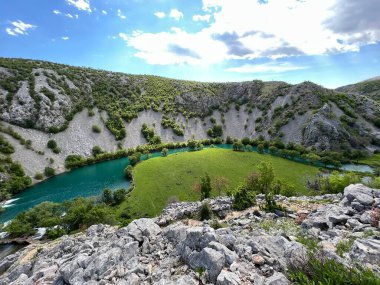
[{"x": 189, "y": 252}]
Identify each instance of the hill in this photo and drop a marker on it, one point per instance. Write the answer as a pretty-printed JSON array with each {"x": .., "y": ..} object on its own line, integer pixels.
[
  {"x": 369, "y": 88},
  {"x": 82, "y": 108}
]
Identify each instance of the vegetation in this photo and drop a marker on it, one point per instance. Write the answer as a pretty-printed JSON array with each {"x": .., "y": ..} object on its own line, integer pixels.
[
  {"x": 128, "y": 172},
  {"x": 96, "y": 129},
  {"x": 157, "y": 179},
  {"x": 205, "y": 212},
  {"x": 49, "y": 171},
  {"x": 215, "y": 131},
  {"x": 150, "y": 135},
  {"x": 61, "y": 218},
  {"x": 334, "y": 183},
  {"x": 52, "y": 144}
]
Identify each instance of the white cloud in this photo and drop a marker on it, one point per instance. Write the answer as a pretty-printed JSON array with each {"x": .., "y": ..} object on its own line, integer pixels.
[
  {"x": 65, "y": 38},
  {"x": 160, "y": 14},
  {"x": 175, "y": 14},
  {"x": 123, "y": 36},
  {"x": 247, "y": 29},
  {"x": 19, "y": 28},
  {"x": 271, "y": 67},
  {"x": 104, "y": 12},
  {"x": 83, "y": 5},
  {"x": 57, "y": 12},
  {"x": 201, "y": 18},
  {"x": 121, "y": 15}
]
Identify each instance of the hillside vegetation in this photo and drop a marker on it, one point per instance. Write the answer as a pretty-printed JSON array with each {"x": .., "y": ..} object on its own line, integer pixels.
[{"x": 45, "y": 96}]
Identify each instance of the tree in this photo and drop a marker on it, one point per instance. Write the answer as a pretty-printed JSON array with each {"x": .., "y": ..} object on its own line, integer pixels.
[
  {"x": 273, "y": 149},
  {"x": 205, "y": 187},
  {"x": 229, "y": 140},
  {"x": 237, "y": 146},
  {"x": 96, "y": 129},
  {"x": 266, "y": 177},
  {"x": 260, "y": 148},
  {"x": 134, "y": 158},
  {"x": 192, "y": 144},
  {"x": 164, "y": 152},
  {"x": 96, "y": 150},
  {"x": 107, "y": 196},
  {"x": 52, "y": 144},
  {"x": 245, "y": 141},
  {"x": 220, "y": 184},
  {"x": 243, "y": 198},
  {"x": 128, "y": 172},
  {"x": 49, "y": 171},
  {"x": 119, "y": 196}
]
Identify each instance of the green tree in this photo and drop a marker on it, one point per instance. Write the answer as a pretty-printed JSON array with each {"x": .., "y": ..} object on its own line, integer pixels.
[
  {"x": 119, "y": 196},
  {"x": 205, "y": 187},
  {"x": 164, "y": 152},
  {"x": 128, "y": 172},
  {"x": 260, "y": 148},
  {"x": 266, "y": 177},
  {"x": 52, "y": 144},
  {"x": 107, "y": 196},
  {"x": 49, "y": 171},
  {"x": 237, "y": 146},
  {"x": 243, "y": 197},
  {"x": 96, "y": 150}
]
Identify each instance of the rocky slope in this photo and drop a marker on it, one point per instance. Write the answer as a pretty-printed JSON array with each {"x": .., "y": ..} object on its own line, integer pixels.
[
  {"x": 253, "y": 248},
  {"x": 369, "y": 88},
  {"x": 42, "y": 100}
]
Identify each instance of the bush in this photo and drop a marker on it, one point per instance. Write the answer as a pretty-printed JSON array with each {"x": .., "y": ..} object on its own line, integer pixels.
[
  {"x": 205, "y": 212},
  {"x": 238, "y": 146},
  {"x": 54, "y": 233},
  {"x": 107, "y": 196},
  {"x": 52, "y": 144},
  {"x": 243, "y": 198},
  {"x": 128, "y": 172},
  {"x": 318, "y": 269},
  {"x": 205, "y": 187},
  {"x": 164, "y": 152},
  {"x": 260, "y": 148},
  {"x": 119, "y": 196},
  {"x": 215, "y": 131},
  {"x": 49, "y": 171},
  {"x": 96, "y": 150},
  {"x": 39, "y": 176},
  {"x": 134, "y": 158},
  {"x": 96, "y": 129}
]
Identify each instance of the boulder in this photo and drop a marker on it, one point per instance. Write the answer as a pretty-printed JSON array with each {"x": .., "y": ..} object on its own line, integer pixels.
[
  {"x": 210, "y": 260},
  {"x": 227, "y": 278},
  {"x": 143, "y": 228},
  {"x": 366, "y": 251}
]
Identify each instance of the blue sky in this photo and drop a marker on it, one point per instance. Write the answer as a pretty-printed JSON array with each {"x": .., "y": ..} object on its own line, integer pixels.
[{"x": 330, "y": 42}]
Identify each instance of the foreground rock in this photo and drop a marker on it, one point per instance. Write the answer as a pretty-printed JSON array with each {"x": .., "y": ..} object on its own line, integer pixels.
[{"x": 245, "y": 251}]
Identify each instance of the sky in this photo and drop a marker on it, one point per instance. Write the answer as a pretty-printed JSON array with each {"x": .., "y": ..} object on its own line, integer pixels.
[{"x": 330, "y": 42}]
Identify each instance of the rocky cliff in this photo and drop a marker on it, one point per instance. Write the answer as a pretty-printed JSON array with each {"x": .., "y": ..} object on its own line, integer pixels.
[{"x": 250, "y": 247}]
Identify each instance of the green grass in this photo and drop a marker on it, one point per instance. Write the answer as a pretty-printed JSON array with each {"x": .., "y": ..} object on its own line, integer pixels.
[
  {"x": 159, "y": 178},
  {"x": 373, "y": 160}
]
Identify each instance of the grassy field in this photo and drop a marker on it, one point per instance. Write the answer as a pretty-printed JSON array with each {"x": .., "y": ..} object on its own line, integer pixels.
[
  {"x": 159, "y": 178},
  {"x": 373, "y": 160}
]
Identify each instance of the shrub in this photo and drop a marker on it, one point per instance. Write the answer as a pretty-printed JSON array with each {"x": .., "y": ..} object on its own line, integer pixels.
[
  {"x": 96, "y": 129},
  {"x": 245, "y": 141},
  {"x": 260, "y": 148},
  {"x": 134, "y": 158},
  {"x": 229, "y": 140},
  {"x": 52, "y": 144},
  {"x": 49, "y": 171},
  {"x": 54, "y": 233},
  {"x": 39, "y": 176},
  {"x": 164, "y": 152},
  {"x": 238, "y": 146},
  {"x": 96, "y": 150},
  {"x": 128, "y": 172},
  {"x": 243, "y": 198},
  {"x": 119, "y": 196},
  {"x": 215, "y": 131},
  {"x": 205, "y": 212},
  {"x": 107, "y": 196},
  {"x": 205, "y": 187}
]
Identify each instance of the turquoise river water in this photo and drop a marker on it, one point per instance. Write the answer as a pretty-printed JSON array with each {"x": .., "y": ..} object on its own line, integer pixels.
[{"x": 86, "y": 181}]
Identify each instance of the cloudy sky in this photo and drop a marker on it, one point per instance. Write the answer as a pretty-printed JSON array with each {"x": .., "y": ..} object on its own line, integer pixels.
[{"x": 331, "y": 42}]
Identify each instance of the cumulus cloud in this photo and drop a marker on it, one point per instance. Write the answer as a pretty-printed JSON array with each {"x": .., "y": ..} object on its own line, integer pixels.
[
  {"x": 83, "y": 5},
  {"x": 202, "y": 18},
  {"x": 247, "y": 29},
  {"x": 65, "y": 38},
  {"x": 123, "y": 36},
  {"x": 19, "y": 28},
  {"x": 121, "y": 15},
  {"x": 271, "y": 67},
  {"x": 160, "y": 15},
  {"x": 175, "y": 14}
]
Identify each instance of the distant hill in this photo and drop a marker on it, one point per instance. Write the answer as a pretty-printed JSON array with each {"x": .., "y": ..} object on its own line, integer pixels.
[{"x": 369, "y": 88}]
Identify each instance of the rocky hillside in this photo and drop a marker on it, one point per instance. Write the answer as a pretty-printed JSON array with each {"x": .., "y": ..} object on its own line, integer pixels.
[
  {"x": 81, "y": 108},
  {"x": 250, "y": 247},
  {"x": 369, "y": 88}
]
